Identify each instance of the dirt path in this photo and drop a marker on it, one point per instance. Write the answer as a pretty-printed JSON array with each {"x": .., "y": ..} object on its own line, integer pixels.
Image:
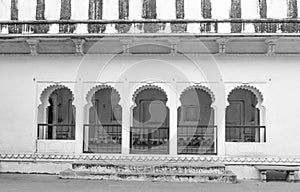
[{"x": 45, "y": 183}]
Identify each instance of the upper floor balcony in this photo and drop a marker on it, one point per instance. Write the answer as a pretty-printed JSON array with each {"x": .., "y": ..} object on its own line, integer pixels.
[
  {"x": 152, "y": 27},
  {"x": 159, "y": 17},
  {"x": 73, "y": 26}
]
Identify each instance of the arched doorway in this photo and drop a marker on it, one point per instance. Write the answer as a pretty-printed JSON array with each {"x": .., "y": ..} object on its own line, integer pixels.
[
  {"x": 60, "y": 116},
  {"x": 243, "y": 122},
  {"x": 150, "y": 126},
  {"x": 103, "y": 132},
  {"x": 196, "y": 130}
]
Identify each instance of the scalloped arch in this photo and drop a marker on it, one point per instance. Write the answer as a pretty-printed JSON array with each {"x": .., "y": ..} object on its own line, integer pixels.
[
  {"x": 145, "y": 87},
  {"x": 94, "y": 89},
  {"x": 254, "y": 90},
  {"x": 51, "y": 88},
  {"x": 201, "y": 87}
]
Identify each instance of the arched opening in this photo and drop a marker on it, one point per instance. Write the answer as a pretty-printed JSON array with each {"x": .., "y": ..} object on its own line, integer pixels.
[
  {"x": 243, "y": 117},
  {"x": 150, "y": 122},
  {"x": 196, "y": 130},
  {"x": 103, "y": 132},
  {"x": 59, "y": 121}
]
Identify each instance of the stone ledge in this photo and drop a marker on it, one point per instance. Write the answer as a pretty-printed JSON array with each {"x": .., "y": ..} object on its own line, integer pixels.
[
  {"x": 228, "y": 177},
  {"x": 82, "y": 45}
]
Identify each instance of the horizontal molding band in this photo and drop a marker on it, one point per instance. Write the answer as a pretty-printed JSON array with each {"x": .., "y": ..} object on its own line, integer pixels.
[
  {"x": 111, "y": 35},
  {"x": 228, "y": 160},
  {"x": 122, "y": 21}
]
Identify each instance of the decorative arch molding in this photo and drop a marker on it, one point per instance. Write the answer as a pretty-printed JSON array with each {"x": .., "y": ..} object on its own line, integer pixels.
[
  {"x": 50, "y": 89},
  {"x": 90, "y": 95},
  {"x": 94, "y": 89},
  {"x": 252, "y": 89},
  {"x": 259, "y": 98},
  {"x": 199, "y": 87},
  {"x": 44, "y": 100},
  {"x": 145, "y": 87}
]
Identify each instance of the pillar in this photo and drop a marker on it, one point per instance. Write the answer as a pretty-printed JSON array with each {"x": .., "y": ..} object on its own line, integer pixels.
[
  {"x": 126, "y": 114},
  {"x": 221, "y": 91},
  {"x": 78, "y": 102},
  {"x": 173, "y": 121}
]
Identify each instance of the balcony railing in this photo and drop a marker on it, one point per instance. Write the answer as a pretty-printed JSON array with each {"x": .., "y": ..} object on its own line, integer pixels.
[
  {"x": 197, "y": 139},
  {"x": 193, "y": 26},
  {"x": 149, "y": 140},
  {"x": 245, "y": 133},
  {"x": 56, "y": 131},
  {"x": 100, "y": 138}
]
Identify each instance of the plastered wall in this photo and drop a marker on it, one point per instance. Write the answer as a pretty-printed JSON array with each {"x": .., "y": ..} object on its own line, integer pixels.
[{"x": 23, "y": 78}]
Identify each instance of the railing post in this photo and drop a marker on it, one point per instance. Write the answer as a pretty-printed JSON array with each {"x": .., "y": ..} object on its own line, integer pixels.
[{"x": 85, "y": 137}]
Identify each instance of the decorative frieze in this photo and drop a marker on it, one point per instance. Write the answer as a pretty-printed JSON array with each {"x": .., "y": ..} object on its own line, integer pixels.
[{"x": 227, "y": 160}]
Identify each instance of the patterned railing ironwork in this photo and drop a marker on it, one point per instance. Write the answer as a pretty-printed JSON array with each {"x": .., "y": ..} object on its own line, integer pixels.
[
  {"x": 197, "y": 139},
  {"x": 287, "y": 25},
  {"x": 100, "y": 138},
  {"x": 245, "y": 133},
  {"x": 56, "y": 131},
  {"x": 149, "y": 140}
]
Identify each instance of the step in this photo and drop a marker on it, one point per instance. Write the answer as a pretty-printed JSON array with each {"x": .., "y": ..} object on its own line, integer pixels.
[
  {"x": 150, "y": 167},
  {"x": 227, "y": 177},
  {"x": 150, "y": 171}
]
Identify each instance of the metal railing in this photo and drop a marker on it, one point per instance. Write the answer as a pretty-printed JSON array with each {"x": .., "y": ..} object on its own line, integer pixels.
[
  {"x": 197, "y": 139},
  {"x": 149, "y": 140},
  {"x": 245, "y": 133},
  {"x": 100, "y": 138},
  {"x": 56, "y": 131},
  {"x": 286, "y": 25}
]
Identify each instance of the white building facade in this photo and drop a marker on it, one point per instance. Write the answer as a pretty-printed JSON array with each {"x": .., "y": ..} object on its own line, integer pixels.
[{"x": 121, "y": 88}]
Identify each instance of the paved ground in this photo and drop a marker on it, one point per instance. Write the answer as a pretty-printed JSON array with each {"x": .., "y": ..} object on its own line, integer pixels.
[{"x": 45, "y": 183}]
